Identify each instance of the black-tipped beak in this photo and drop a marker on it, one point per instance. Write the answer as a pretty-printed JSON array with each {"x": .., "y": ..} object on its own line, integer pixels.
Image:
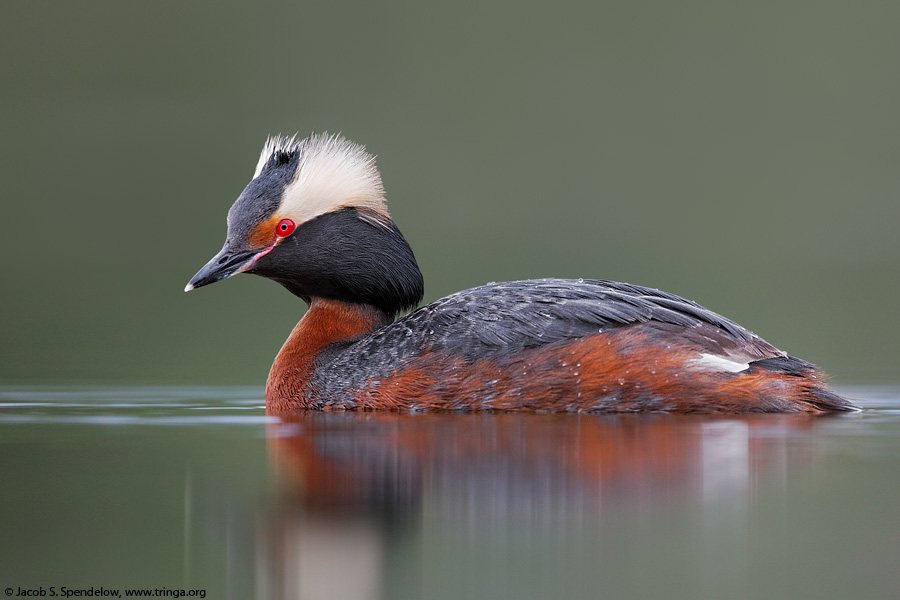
[{"x": 226, "y": 263}]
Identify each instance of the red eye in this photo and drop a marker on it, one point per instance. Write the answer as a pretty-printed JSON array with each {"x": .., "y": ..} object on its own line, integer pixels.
[{"x": 285, "y": 228}]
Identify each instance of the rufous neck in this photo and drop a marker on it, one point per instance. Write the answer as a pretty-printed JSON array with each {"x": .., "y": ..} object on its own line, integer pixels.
[{"x": 326, "y": 322}]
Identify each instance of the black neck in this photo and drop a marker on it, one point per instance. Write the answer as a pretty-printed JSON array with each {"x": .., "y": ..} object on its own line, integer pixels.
[{"x": 340, "y": 256}]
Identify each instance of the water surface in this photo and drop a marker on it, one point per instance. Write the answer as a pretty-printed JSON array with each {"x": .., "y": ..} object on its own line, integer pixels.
[{"x": 196, "y": 488}]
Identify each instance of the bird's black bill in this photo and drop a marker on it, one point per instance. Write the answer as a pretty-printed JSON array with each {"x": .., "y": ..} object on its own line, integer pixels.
[{"x": 223, "y": 265}]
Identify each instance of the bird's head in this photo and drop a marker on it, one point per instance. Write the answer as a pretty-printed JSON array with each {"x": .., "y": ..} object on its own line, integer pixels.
[{"x": 314, "y": 219}]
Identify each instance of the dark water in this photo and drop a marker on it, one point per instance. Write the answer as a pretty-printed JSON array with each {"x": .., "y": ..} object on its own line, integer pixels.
[{"x": 196, "y": 489}]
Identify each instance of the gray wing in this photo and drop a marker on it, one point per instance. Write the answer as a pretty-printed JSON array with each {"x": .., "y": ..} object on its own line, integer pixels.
[
  {"x": 505, "y": 318},
  {"x": 531, "y": 313},
  {"x": 508, "y": 317}
]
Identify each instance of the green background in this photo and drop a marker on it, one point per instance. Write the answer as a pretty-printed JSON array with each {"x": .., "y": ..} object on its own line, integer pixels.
[{"x": 744, "y": 155}]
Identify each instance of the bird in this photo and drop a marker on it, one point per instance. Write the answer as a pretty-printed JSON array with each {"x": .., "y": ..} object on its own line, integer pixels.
[{"x": 314, "y": 219}]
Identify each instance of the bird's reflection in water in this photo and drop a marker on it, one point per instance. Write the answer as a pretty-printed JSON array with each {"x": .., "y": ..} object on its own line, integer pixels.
[{"x": 355, "y": 483}]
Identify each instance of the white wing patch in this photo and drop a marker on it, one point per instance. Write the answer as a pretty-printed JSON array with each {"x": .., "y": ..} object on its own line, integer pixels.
[
  {"x": 719, "y": 363},
  {"x": 332, "y": 173}
]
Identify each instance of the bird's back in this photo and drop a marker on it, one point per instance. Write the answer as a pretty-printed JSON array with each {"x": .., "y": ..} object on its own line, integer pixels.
[{"x": 573, "y": 345}]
